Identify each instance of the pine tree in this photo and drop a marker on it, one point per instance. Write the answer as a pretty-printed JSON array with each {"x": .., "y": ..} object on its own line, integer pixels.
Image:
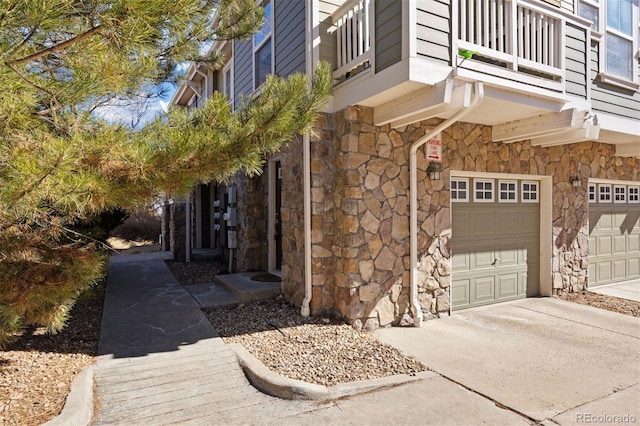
[{"x": 61, "y": 164}]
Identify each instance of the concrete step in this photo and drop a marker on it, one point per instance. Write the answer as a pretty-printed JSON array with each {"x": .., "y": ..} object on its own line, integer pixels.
[{"x": 247, "y": 290}]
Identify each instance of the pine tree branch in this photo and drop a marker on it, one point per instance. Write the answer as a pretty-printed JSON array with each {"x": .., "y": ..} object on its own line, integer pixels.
[{"x": 58, "y": 47}]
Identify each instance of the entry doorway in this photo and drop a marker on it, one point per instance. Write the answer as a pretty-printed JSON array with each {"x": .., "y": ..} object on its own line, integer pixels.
[{"x": 275, "y": 216}]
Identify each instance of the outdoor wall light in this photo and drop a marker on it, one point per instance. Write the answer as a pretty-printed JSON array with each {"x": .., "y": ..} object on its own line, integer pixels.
[
  {"x": 433, "y": 171},
  {"x": 575, "y": 181}
]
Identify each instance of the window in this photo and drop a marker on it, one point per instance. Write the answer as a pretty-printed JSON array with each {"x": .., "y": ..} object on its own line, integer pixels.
[
  {"x": 529, "y": 192},
  {"x": 592, "y": 193},
  {"x": 614, "y": 19},
  {"x": 460, "y": 189},
  {"x": 604, "y": 192},
  {"x": 508, "y": 192},
  {"x": 262, "y": 49},
  {"x": 483, "y": 190},
  {"x": 227, "y": 80},
  {"x": 634, "y": 194},
  {"x": 619, "y": 194}
]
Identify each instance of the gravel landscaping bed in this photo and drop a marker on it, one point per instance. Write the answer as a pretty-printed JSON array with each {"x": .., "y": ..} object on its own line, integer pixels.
[
  {"x": 610, "y": 303},
  {"x": 317, "y": 350},
  {"x": 37, "y": 369}
]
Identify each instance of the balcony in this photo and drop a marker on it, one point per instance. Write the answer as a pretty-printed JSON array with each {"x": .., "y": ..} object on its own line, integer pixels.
[{"x": 520, "y": 36}]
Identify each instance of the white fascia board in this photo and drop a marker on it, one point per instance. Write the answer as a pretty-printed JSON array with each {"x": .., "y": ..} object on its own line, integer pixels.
[
  {"x": 418, "y": 102},
  {"x": 619, "y": 124},
  {"x": 587, "y": 133},
  {"x": 368, "y": 84},
  {"x": 511, "y": 86}
]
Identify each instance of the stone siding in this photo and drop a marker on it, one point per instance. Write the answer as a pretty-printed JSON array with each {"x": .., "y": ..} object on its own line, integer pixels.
[{"x": 361, "y": 219}]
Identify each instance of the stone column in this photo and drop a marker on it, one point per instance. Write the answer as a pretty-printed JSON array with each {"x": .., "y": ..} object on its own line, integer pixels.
[{"x": 178, "y": 231}]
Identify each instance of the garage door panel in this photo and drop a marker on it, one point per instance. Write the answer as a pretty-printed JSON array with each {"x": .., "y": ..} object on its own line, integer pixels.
[
  {"x": 603, "y": 271},
  {"x": 619, "y": 269},
  {"x": 619, "y": 244},
  {"x": 483, "y": 259},
  {"x": 528, "y": 222},
  {"x": 482, "y": 289},
  {"x": 463, "y": 223},
  {"x": 507, "y": 286},
  {"x": 508, "y": 257},
  {"x": 462, "y": 262},
  {"x": 634, "y": 242},
  {"x": 506, "y": 223},
  {"x": 483, "y": 224},
  {"x": 604, "y": 245},
  {"x": 633, "y": 266},
  {"x": 460, "y": 295}
]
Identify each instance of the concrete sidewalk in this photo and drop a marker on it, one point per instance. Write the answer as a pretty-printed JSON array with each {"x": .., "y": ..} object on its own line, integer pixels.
[
  {"x": 162, "y": 363},
  {"x": 545, "y": 358},
  {"x": 627, "y": 290}
]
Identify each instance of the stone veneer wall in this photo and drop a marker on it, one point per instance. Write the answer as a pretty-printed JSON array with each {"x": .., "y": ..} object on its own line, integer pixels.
[
  {"x": 292, "y": 216},
  {"x": 251, "y": 205},
  {"x": 361, "y": 212}
]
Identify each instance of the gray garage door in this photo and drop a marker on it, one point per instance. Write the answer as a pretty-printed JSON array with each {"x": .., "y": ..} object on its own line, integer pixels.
[
  {"x": 614, "y": 236},
  {"x": 496, "y": 241}
]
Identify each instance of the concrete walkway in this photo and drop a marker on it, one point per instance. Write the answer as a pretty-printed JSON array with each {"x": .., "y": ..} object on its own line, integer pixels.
[
  {"x": 627, "y": 290},
  {"x": 550, "y": 360},
  {"x": 162, "y": 363}
]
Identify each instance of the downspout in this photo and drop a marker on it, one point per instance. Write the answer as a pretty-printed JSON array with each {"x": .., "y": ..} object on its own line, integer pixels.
[
  {"x": 305, "y": 310},
  {"x": 413, "y": 184},
  {"x": 310, "y": 50}
]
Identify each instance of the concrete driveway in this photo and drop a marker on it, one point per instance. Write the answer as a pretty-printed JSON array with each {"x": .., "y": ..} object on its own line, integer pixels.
[
  {"x": 627, "y": 290},
  {"x": 544, "y": 358}
]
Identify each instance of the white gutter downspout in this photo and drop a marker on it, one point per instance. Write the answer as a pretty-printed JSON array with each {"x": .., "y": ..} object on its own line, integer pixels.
[
  {"x": 413, "y": 184},
  {"x": 311, "y": 42},
  {"x": 305, "y": 310}
]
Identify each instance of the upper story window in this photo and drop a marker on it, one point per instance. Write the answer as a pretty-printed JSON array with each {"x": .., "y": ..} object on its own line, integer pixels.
[
  {"x": 614, "y": 19},
  {"x": 262, "y": 48},
  {"x": 227, "y": 81}
]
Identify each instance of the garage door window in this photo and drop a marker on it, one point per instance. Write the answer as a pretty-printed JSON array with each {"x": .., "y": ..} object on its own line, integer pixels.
[
  {"x": 634, "y": 194},
  {"x": 529, "y": 192},
  {"x": 619, "y": 194},
  {"x": 592, "y": 193},
  {"x": 460, "y": 190},
  {"x": 604, "y": 193},
  {"x": 508, "y": 191},
  {"x": 483, "y": 190}
]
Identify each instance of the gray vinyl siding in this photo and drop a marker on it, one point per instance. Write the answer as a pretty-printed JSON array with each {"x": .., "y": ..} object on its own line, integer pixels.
[
  {"x": 610, "y": 99},
  {"x": 576, "y": 61},
  {"x": 328, "y": 47},
  {"x": 289, "y": 37},
  {"x": 567, "y": 5},
  {"x": 388, "y": 33},
  {"x": 242, "y": 69},
  {"x": 433, "y": 32}
]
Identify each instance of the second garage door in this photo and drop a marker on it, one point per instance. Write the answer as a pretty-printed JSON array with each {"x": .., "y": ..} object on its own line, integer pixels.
[
  {"x": 495, "y": 240},
  {"x": 614, "y": 233}
]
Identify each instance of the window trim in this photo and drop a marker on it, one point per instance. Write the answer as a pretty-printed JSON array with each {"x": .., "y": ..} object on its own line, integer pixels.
[
  {"x": 493, "y": 190},
  {"x": 592, "y": 190},
  {"x": 537, "y": 191},
  {"x": 452, "y": 191},
  {"x": 636, "y": 196},
  {"x": 600, "y": 36},
  {"x": 623, "y": 194},
  {"x": 515, "y": 190},
  {"x": 228, "y": 68},
  {"x": 600, "y": 193},
  {"x": 267, "y": 38}
]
